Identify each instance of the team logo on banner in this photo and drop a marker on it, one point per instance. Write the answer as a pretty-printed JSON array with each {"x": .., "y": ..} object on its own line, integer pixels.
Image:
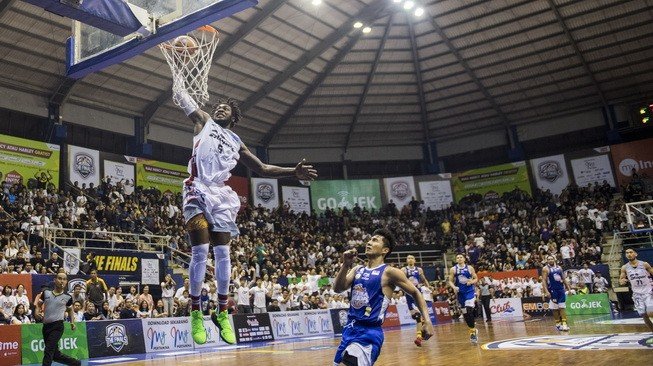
[
  {"x": 400, "y": 190},
  {"x": 116, "y": 336},
  {"x": 627, "y": 166},
  {"x": 265, "y": 192},
  {"x": 77, "y": 281},
  {"x": 84, "y": 165},
  {"x": 574, "y": 342},
  {"x": 549, "y": 170}
]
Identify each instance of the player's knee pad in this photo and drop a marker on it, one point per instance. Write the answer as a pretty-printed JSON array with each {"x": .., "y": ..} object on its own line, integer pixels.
[
  {"x": 349, "y": 360},
  {"x": 196, "y": 223},
  {"x": 417, "y": 316}
]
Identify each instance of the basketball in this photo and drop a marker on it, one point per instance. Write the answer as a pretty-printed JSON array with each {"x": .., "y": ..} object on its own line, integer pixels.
[{"x": 185, "y": 44}]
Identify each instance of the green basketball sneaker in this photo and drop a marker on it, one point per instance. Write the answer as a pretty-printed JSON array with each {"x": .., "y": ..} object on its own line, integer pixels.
[
  {"x": 221, "y": 320},
  {"x": 197, "y": 327}
]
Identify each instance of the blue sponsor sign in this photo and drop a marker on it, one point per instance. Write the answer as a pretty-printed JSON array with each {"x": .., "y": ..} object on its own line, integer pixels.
[{"x": 115, "y": 337}]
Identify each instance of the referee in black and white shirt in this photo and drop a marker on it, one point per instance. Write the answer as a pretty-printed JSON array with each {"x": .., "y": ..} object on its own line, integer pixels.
[{"x": 55, "y": 303}]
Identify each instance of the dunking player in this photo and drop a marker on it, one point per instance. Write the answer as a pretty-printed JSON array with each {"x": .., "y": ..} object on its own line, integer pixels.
[
  {"x": 462, "y": 278},
  {"x": 639, "y": 273},
  {"x": 210, "y": 207},
  {"x": 554, "y": 283},
  {"x": 416, "y": 277},
  {"x": 371, "y": 288}
]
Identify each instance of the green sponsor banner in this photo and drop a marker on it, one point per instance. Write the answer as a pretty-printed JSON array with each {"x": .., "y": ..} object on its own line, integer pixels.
[
  {"x": 491, "y": 182},
  {"x": 165, "y": 177},
  {"x": 22, "y": 160},
  {"x": 588, "y": 304},
  {"x": 337, "y": 194},
  {"x": 72, "y": 343}
]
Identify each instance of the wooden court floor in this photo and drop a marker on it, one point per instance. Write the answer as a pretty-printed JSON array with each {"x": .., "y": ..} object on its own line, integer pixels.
[{"x": 450, "y": 346}]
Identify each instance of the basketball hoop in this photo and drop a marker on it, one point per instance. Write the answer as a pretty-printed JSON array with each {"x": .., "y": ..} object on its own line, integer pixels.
[{"x": 189, "y": 58}]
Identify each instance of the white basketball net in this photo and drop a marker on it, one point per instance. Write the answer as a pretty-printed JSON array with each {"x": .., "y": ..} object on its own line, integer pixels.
[{"x": 190, "y": 65}]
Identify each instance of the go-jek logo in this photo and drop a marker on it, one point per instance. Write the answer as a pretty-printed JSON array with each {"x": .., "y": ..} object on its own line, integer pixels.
[
  {"x": 311, "y": 325},
  {"x": 584, "y": 304},
  {"x": 295, "y": 327}
]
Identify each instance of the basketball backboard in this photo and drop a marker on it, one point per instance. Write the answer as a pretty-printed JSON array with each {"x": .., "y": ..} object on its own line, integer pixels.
[{"x": 91, "y": 49}]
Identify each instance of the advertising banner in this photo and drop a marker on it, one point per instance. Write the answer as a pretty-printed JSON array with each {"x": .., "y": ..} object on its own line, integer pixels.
[
  {"x": 120, "y": 172},
  {"x": 318, "y": 322},
  {"x": 404, "y": 314},
  {"x": 338, "y": 320},
  {"x": 436, "y": 194},
  {"x": 150, "y": 274},
  {"x": 288, "y": 324},
  {"x": 401, "y": 190},
  {"x": 442, "y": 312},
  {"x": 83, "y": 166},
  {"x": 491, "y": 182},
  {"x": 534, "y": 306},
  {"x": 71, "y": 260},
  {"x": 637, "y": 155},
  {"x": 297, "y": 199},
  {"x": 212, "y": 335},
  {"x": 115, "y": 337},
  {"x": 391, "y": 317},
  {"x": 338, "y": 194},
  {"x": 505, "y": 308},
  {"x": 166, "y": 177},
  {"x": 252, "y": 327},
  {"x": 167, "y": 334},
  {"x": 14, "y": 280},
  {"x": 72, "y": 343},
  {"x": 265, "y": 192},
  {"x": 28, "y": 161},
  {"x": 551, "y": 173},
  {"x": 592, "y": 169},
  {"x": 10, "y": 342},
  {"x": 588, "y": 304},
  {"x": 429, "y": 307},
  {"x": 121, "y": 262},
  {"x": 240, "y": 185}
]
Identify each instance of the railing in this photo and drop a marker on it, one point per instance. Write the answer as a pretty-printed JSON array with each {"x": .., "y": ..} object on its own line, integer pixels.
[
  {"x": 423, "y": 258},
  {"x": 106, "y": 240}
]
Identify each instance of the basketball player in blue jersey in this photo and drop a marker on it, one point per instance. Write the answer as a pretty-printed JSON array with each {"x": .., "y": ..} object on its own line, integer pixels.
[
  {"x": 210, "y": 207},
  {"x": 554, "y": 283},
  {"x": 371, "y": 288},
  {"x": 462, "y": 278},
  {"x": 416, "y": 277}
]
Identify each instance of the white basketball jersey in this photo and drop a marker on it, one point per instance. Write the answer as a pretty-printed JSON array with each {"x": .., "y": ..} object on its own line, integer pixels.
[
  {"x": 639, "y": 278},
  {"x": 215, "y": 153}
]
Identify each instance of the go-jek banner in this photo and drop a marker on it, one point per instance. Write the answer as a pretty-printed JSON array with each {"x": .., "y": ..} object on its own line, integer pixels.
[
  {"x": 265, "y": 192},
  {"x": 338, "y": 194},
  {"x": 167, "y": 334},
  {"x": 588, "y": 304},
  {"x": 83, "y": 166},
  {"x": 505, "y": 308},
  {"x": 165, "y": 177},
  {"x": 491, "y": 182},
  {"x": 23, "y": 160},
  {"x": 551, "y": 173},
  {"x": 297, "y": 199},
  {"x": 401, "y": 190},
  {"x": 73, "y": 342}
]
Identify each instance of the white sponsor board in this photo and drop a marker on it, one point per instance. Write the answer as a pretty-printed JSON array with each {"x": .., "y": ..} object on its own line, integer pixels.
[
  {"x": 404, "y": 315},
  {"x": 265, "y": 192},
  {"x": 83, "y": 165},
  {"x": 400, "y": 190},
  {"x": 71, "y": 260},
  {"x": 297, "y": 198},
  {"x": 296, "y": 324},
  {"x": 212, "y": 335},
  {"x": 167, "y": 334},
  {"x": 436, "y": 194},
  {"x": 592, "y": 169},
  {"x": 551, "y": 173},
  {"x": 505, "y": 308},
  {"x": 120, "y": 172},
  {"x": 150, "y": 271},
  {"x": 318, "y": 322}
]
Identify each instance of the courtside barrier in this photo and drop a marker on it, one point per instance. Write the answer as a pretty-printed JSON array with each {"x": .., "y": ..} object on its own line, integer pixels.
[
  {"x": 442, "y": 312},
  {"x": 588, "y": 304},
  {"x": 10, "y": 342},
  {"x": 115, "y": 337},
  {"x": 505, "y": 308},
  {"x": 252, "y": 327},
  {"x": 535, "y": 306},
  {"x": 72, "y": 343}
]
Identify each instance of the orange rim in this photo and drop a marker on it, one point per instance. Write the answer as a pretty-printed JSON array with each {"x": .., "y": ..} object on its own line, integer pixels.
[{"x": 208, "y": 29}]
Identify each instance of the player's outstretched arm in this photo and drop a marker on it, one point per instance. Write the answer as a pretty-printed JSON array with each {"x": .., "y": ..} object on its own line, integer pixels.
[
  {"x": 301, "y": 171},
  {"x": 191, "y": 108},
  {"x": 346, "y": 274},
  {"x": 396, "y": 277}
]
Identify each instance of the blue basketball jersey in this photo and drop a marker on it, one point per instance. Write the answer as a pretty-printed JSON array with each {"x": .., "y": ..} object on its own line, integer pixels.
[
  {"x": 413, "y": 275},
  {"x": 462, "y": 276},
  {"x": 555, "y": 280},
  {"x": 367, "y": 301}
]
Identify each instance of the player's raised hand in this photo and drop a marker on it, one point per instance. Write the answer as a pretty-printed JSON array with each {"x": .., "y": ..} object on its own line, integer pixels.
[
  {"x": 304, "y": 171},
  {"x": 349, "y": 256}
]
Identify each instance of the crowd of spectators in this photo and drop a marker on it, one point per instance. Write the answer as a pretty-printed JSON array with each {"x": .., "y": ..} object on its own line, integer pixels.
[{"x": 283, "y": 260}]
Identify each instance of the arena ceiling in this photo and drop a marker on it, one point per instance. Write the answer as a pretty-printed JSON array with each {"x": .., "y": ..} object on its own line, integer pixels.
[{"x": 306, "y": 77}]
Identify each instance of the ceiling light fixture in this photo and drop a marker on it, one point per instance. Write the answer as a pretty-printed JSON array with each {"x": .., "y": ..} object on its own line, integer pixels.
[
  {"x": 419, "y": 12},
  {"x": 316, "y": 2},
  {"x": 409, "y": 5},
  {"x": 367, "y": 30},
  {"x": 358, "y": 25}
]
